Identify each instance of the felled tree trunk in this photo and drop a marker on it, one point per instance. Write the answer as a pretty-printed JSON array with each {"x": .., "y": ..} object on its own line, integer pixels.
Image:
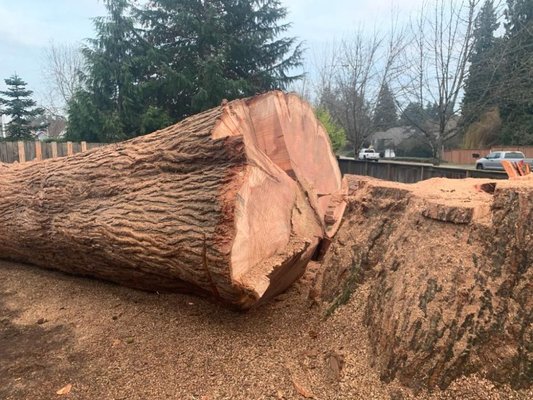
[{"x": 231, "y": 203}]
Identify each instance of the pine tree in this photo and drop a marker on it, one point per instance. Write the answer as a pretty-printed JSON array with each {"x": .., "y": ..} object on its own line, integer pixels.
[
  {"x": 481, "y": 85},
  {"x": 519, "y": 15},
  {"x": 385, "y": 114},
  {"x": 19, "y": 106},
  {"x": 85, "y": 121},
  {"x": 419, "y": 117},
  {"x": 516, "y": 100},
  {"x": 214, "y": 50},
  {"x": 152, "y": 66},
  {"x": 109, "y": 107}
]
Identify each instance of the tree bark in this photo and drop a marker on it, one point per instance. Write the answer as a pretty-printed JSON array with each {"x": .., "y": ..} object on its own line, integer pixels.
[
  {"x": 448, "y": 265},
  {"x": 231, "y": 203}
]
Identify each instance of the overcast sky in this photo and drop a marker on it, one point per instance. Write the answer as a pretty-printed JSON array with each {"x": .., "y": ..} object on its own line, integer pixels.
[{"x": 28, "y": 26}]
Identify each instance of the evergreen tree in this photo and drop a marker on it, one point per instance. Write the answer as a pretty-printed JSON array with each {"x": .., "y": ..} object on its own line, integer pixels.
[
  {"x": 516, "y": 100},
  {"x": 481, "y": 85},
  {"x": 149, "y": 67},
  {"x": 412, "y": 114},
  {"x": 385, "y": 114},
  {"x": 19, "y": 106},
  {"x": 153, "y": 119},
  {"x": 419, "y": 117},
  {"x": 110, "y": 106},
  {"x": 519, "y": 15},
  {"x": 85, "y": 121},
  {"x": 208, "y": 51}
]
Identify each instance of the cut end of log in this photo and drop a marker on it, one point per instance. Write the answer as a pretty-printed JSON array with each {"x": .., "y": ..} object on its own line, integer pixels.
[{"x": 293, "y": 195}]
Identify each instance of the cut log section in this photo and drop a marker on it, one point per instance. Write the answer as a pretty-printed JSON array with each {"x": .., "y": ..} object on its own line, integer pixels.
[{"x": 230, "y": 203}]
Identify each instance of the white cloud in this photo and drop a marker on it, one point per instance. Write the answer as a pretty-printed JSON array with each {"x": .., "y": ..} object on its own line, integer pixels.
[
  {"x": 28, "y": 26},
  {"x": 322, "y": 20},
  {"x": 16, "y": 27},
  {"x": 35, "y": 23}
]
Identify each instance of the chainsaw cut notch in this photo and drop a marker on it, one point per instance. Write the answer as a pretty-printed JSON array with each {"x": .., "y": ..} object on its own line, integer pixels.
[{"x": 489, "y": 188}]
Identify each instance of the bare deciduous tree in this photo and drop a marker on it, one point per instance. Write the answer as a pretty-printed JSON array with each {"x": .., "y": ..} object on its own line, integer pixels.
[
  {"x": 351, "y": 75},
  {"x": 442, "y": 40},
  {"x": 63, "y": 64}
]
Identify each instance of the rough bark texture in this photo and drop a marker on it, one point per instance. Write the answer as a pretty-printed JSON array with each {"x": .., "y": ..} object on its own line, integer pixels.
[
  {"x": 451, "y": 274},
  {"x": 188, "y": 208}
]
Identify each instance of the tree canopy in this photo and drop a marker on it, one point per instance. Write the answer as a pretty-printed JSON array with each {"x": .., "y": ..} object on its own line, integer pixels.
[
  {"x": 516, "y": 100},
  {"x": 481, "y": 85},
  {"x": 153, "y": 65},
  {"x": 17, "y": 103},
  {"x": 499, "y": 80},
  {"x": 385, "y": 114},
  {"x": 109, "y": 105}
]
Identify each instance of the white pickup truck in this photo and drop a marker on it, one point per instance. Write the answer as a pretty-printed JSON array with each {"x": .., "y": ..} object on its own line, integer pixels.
[
  {"x": 368, "y": 154},
  {"x": 495, "y": 158}
]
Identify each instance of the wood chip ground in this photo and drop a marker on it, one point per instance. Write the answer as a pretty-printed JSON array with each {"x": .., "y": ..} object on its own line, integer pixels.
[{"x": 110, "y": 342}]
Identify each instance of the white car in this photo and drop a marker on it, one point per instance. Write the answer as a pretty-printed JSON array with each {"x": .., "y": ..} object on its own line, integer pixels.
[
  {"x": 368, "y": 154},
  {"x": 495, "y": 158}
]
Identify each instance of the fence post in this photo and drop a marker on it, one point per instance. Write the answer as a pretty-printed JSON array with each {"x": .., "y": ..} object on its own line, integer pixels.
[
  {"x": 69, "y": 149},
  {"x": 38, "y": 150},
  {"x": 84, "y": 146},
  {"x": 389, "y": 177},
  {"x": 54, "y": 149},
  {"x": 421, "y": 172},
  {"x": 22, "y": 153}
]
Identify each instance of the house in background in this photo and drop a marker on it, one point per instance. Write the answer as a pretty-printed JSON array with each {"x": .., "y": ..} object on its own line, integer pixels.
[
  {"x": 50, "y": 127},
  {"x": 387, "y": 142},
  {"x": 46, "y": 127}
]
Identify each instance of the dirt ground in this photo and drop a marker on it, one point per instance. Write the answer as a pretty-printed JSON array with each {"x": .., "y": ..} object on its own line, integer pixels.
[{"x": 111, "y": 342}]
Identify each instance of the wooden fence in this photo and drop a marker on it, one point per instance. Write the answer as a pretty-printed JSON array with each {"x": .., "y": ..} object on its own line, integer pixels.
[
  {"x": 468, "y": 156},
  {"x": 11, "y": 152}
]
